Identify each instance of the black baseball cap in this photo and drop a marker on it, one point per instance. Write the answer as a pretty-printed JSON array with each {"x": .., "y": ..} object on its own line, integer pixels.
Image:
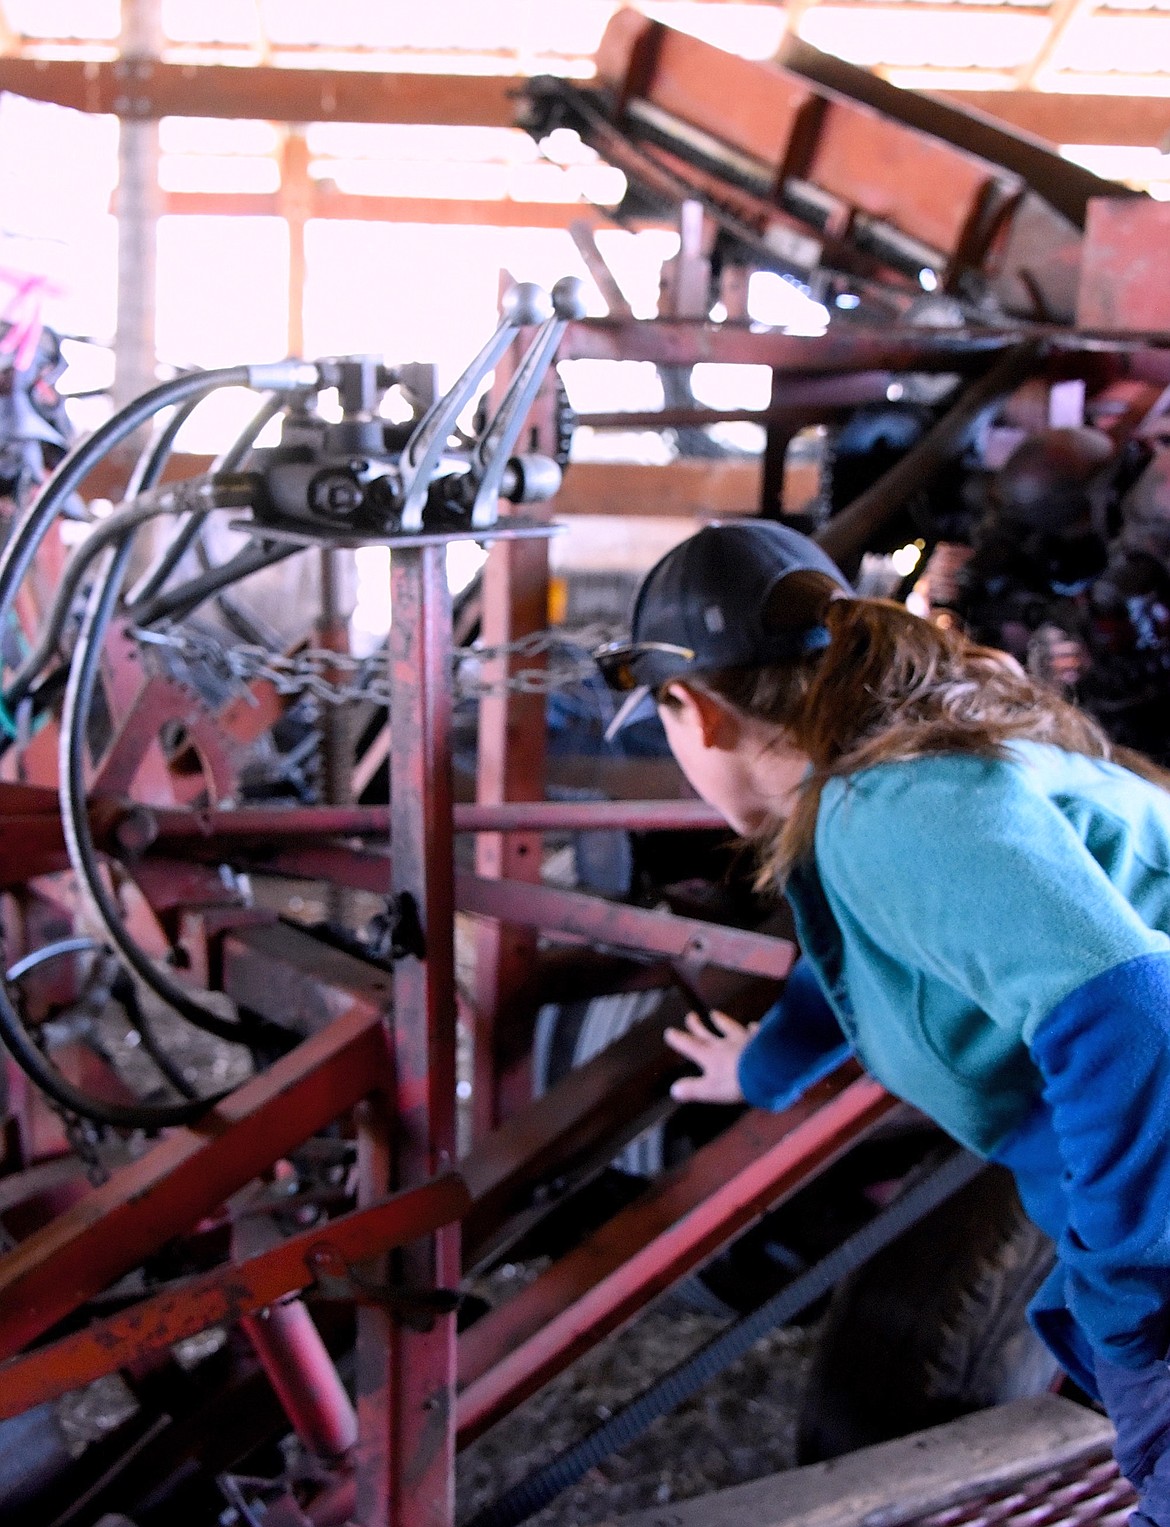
[{"x": 701, "y": 608}]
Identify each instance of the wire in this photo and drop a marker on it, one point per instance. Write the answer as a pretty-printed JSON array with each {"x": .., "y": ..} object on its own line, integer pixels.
[
  {"x": 27, "y": 535},
  {"x": 28, "y": 1056},
  {"x": 79, "y": 691}
]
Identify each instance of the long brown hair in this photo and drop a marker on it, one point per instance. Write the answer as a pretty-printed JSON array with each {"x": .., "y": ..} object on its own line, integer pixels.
[{"x": 889, "y": 686}]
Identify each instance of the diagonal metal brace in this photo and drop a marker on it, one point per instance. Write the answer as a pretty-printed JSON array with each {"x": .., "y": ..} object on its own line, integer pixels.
[{"x": 227, "y": 1294}]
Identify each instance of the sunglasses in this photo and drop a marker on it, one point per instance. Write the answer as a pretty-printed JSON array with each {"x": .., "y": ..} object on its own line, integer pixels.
[{"x": 620, "y": 662}]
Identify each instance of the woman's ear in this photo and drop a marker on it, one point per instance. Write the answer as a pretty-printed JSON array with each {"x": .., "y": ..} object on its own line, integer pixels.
[{"x": 710, "y": 720}]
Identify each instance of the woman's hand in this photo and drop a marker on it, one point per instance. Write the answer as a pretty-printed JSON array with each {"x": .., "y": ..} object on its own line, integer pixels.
[{"x": 716, "y": 1055}]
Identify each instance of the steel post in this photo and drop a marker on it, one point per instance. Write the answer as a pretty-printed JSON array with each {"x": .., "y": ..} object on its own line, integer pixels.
[{"x": 405, "y": 1452}]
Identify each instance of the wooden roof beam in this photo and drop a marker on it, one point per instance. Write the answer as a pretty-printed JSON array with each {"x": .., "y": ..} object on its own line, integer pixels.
[
  {"x": 1139, "y": 121},
  {"x": 146, "y": 88}
]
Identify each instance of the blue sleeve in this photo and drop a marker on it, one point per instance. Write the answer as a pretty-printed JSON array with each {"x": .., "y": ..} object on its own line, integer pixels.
[
  {"x": 798, "y": 1042},
  {"x": 1104, "y": 1054}
]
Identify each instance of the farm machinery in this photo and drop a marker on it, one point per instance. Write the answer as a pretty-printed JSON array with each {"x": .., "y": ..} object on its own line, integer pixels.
[{"x": 213, "y": 839}]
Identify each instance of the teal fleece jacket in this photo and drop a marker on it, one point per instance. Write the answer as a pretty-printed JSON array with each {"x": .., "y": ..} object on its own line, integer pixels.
[{"x": 989, "y": 934}]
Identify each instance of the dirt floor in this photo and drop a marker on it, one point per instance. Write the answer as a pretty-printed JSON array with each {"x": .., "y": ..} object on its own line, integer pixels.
[{"x": 740, "y": 1427}]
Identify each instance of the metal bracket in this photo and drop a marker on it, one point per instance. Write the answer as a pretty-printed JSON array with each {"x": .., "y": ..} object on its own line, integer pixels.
[
  {"x": 398, "y": 932},
  {"x": 416, "y": 1308}
]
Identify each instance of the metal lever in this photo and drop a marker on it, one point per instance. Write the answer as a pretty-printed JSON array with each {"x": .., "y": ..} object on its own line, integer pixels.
[
  {"x": 498, "y": 440},
  {"x": 523, "y": 304}
]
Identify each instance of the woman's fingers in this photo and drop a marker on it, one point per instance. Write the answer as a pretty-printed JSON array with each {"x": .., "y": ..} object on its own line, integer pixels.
[
  {"x": 726, "y": 1026},
  {"x": 694, "y": 1049}
]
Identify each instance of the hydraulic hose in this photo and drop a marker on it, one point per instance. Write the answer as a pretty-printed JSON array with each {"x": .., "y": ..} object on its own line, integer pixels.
[
  {"x": 29, "y": 1057},
  {"x": 188, "y": 532},
  {"x": 53, "y": 626},
  {"x": 83, "y": 856},
  {"x": 33, "y": 525}
]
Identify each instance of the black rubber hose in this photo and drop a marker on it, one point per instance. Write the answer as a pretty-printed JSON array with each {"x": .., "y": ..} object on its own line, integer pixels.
[
  {"x": 543, "y": 1485},
  {"x": 83, "y": 855},
  {"x": 153, "y": 458},
  {"x": 41, "y": 1071},
  {"x": 176, "y": 604},
  {"x": 107, "y": 533},
  {"x": 188, "y": 533},
  {"x": 21, "y": 546}
]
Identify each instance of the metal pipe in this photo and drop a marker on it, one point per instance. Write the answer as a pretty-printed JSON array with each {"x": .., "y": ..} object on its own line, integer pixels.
[{"x": 299, "y": 1368}]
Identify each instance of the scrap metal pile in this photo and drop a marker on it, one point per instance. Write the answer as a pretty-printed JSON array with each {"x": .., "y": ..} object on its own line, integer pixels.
[{"x": 173, "y": 792}]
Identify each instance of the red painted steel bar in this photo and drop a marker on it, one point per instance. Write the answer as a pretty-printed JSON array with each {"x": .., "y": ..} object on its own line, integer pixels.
[
  {"x": 224, "y": 1295},
  {"x": 188, "y": 1175},
  {"x": 610, "y": 922},
  {"x": 404, "y": 1457},
  {"x": 283, "y": 824},
  {"x": 683, "y": 1220}
]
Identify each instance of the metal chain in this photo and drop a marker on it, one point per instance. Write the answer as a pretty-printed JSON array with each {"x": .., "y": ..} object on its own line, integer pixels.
[{"x": 335, "y": 678}]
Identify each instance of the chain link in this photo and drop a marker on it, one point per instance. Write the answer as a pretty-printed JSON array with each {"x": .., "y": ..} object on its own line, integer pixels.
[{"x": 335, "y": 678}]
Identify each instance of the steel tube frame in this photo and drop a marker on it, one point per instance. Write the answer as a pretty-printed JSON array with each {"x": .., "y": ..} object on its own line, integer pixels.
[
  {"x": 405, "y": 1453},
  {"x": 680, "y": 1222}
]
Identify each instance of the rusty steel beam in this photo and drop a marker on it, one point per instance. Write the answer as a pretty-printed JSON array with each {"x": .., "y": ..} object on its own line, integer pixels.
[
  {"x": 682, "y": 342},
  {"x": 324, "y": 201},
  {"x": 589, "y": 1115},
  {"x": 225, "y": 1295},
  {"x": 404, "y": 1458},
  {"x": 251, "y": 824},
  {"x": 193, "y": 1170},
  {"x": 1115, "y": 120},
  {"x": 143, "y": 89},
  {"x": 609, "y": 922},
  {"x": 673, "y": 1228}
]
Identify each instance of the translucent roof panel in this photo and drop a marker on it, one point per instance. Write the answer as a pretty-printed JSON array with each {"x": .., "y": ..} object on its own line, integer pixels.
[
  {"x": 99, "y": 19},
  {"x": 552, "y": 26},
  {"x": 1116, "y": 44},
  {"x": 754, "y": 31},
  {"x": 880, "y": 34},
  {"x": 222, "y": 290},
  {"x": 490, "y": 145},
  {"x": 215, "y": 135}
]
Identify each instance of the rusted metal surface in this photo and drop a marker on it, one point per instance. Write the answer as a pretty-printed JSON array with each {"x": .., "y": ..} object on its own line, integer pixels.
[
  {"x": 259, "y": 825},
  {"x": 223, "y": 1296},
  {"x": 304, "y": 1377},
  {"x": 1125, "y": 266},
  {"x": 681, "y": 1220},
  {"x": 404, "y": 1456},
  {"x": 186, "y": 1176},
  {"x": 614, "y": 923},
  {"x": 512, "y": 743},
  {"x": 146, "y": 88},
  {"x": 591, "y": 1113}
]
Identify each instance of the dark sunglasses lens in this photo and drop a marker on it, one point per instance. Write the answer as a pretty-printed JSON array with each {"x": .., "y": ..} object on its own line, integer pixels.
[{"x": 617, "y": 671}]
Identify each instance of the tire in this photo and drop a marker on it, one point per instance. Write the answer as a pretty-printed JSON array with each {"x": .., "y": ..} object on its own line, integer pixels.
[{"x": 933, "y": 1328}]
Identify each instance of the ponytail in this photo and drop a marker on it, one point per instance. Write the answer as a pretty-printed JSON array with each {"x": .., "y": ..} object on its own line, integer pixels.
[{"x": 891, "y": 686}]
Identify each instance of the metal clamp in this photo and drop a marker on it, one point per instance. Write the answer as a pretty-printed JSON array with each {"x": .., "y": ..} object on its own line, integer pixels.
[{"x": 339, "y": 1281}]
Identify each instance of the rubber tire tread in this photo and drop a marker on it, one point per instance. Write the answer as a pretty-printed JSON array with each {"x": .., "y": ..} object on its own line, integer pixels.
[{"x": 933, "y": 1328}]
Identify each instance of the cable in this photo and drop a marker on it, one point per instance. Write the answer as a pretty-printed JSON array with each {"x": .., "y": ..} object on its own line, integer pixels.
[
  {"x": 532, "y": 1494},
  {"x": 79, "y": 690},
  {"x": 24, "y": 1050},
  {"x": 30, "y": 531},
  {"x": 230, "y": 461},
  {"x": 53, "y": 625},
  {"x": 179, "y": 603}
]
